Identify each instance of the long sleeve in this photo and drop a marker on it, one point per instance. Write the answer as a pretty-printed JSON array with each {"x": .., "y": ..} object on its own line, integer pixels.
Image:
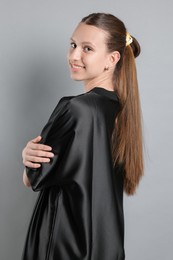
[
  {"x": 58, "y": 133},
  {"x": 79, "y": 213}
]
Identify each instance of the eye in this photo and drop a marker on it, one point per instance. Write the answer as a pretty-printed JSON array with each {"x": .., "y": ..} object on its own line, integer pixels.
[
  {"x": 73, "y": 45},
  {"x": 87, "y": 49}
]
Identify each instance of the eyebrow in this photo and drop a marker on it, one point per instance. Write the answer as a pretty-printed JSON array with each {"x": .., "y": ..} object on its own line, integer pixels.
[{"x": 84, "y": 42}]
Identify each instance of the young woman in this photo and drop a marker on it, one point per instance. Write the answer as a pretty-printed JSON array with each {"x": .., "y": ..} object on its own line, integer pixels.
[{"x": 89, "y": 152}]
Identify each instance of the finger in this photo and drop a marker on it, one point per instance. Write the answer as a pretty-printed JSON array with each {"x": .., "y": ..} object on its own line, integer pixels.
[
  {"x": 42, "y": 147},
  {"x": 35, "y": 159},
  {"x": 38, "y": 153},
  {"x": 32, "y": 165},
  {"x": 37, "y": 139}
]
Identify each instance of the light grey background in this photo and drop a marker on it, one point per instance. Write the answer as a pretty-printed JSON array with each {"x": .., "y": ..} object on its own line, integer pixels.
[{"x": 34, "y": 37}]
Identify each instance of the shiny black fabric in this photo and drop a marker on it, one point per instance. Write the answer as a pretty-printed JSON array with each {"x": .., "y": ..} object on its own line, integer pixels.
[{"x": 79, "y": 211}]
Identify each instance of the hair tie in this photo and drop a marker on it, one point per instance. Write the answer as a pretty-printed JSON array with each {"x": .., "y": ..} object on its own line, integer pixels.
[{"x": 129, "y": 39}]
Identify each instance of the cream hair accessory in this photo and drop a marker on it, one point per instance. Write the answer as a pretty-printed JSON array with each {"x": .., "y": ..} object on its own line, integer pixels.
[{"x": 129, "y": 39}]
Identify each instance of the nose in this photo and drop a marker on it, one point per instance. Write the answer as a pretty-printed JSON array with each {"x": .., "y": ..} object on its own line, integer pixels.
[{"x": 75, "y": 54}]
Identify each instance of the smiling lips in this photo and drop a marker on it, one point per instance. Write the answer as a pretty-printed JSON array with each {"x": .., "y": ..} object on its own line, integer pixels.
[{"x": 76, "y": 67}]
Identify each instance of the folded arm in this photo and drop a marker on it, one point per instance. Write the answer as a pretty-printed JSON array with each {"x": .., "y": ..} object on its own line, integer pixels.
[
  {"x": 41, "y": 164},
  {"x": 33, "y": 155}
]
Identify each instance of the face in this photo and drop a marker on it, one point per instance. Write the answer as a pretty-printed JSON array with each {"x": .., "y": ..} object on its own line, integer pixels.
[{"x": 87, "y": 55}]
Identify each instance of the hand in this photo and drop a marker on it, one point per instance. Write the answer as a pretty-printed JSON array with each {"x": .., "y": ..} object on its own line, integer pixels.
[{"x": 34, "y": 153}]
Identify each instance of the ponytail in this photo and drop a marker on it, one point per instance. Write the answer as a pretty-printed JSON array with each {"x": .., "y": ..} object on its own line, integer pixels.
[{"x": 127, "y": 148}]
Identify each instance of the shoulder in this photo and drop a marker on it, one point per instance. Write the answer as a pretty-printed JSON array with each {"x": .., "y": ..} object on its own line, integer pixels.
[
  {"x": 75, "y": 102},
  {"x": 78, "y": 106},
  {"x": 89, "y": 103},
  {"x": 83, "y": 105},
  {"x": 94, "y": 103},
  {"x": 89, "y": 100}
]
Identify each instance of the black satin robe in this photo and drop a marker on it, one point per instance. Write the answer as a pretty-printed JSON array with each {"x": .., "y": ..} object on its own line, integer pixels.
[{"x": 79, "y": 211}]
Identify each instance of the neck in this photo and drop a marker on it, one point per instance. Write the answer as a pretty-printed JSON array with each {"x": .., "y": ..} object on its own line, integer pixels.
[{"x": 103, "y": 82}]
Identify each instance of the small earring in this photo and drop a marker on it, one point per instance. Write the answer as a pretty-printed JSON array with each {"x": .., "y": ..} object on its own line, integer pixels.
[{"x": 106, "y": 68}]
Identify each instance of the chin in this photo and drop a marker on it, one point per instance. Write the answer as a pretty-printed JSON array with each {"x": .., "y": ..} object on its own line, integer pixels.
[{"x": 76, "y": 78}]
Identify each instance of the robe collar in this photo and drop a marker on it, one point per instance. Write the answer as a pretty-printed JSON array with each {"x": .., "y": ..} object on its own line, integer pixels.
[{"x": 108, "y": 93}]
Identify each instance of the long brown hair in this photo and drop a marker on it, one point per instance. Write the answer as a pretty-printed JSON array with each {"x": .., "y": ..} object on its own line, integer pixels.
[{"x": 127, "y": 143}]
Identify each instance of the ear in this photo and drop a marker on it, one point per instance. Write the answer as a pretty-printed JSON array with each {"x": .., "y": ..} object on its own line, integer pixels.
[{"x": 114, "y": 58}]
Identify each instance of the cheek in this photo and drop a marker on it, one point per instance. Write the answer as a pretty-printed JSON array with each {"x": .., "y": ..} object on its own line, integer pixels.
[
  {"x": 96, "y": 61},
  {"x": 100, "y": 64},
  {"x": 101, "y": 60}
]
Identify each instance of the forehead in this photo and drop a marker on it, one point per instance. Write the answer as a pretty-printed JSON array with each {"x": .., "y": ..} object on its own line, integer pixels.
[{"x": 89, "y": 33}]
